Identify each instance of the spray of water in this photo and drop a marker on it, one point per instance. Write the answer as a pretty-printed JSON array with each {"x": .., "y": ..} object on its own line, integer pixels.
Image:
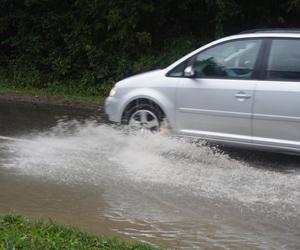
[{"x": 88, "y": 152}]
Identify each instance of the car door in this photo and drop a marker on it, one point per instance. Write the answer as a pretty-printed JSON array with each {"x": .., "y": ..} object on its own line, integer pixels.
[
  {"x": 216, "y": 103},
  {"x": 276, "y": 110}
]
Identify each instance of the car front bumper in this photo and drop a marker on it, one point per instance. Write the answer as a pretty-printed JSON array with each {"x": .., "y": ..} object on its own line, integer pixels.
[{"x": 112, "y": 109}]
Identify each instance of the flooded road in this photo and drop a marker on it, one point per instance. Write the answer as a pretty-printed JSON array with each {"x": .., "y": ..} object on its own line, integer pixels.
[{"x": 67, "y": 165}]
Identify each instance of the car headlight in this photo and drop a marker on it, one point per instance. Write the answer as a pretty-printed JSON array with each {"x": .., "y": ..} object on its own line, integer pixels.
[{"x": 113, "y": 91}]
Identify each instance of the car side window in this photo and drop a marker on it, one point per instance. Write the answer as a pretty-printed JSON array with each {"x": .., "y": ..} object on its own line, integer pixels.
[
  {"x": 235, "y": 59},
  {"x": 284, "y": 60},
  {"x": 178, "y": 70}
]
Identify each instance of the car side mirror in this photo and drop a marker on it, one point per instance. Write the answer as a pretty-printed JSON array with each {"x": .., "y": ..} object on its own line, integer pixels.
[{"x": 189, "y": 71}]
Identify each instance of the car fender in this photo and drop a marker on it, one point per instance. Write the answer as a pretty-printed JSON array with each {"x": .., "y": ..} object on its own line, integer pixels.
[{"x": 166, "y": 101}]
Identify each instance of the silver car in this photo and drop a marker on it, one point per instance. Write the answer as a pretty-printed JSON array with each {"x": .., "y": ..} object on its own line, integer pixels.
[{"x": 242, "y": 90}]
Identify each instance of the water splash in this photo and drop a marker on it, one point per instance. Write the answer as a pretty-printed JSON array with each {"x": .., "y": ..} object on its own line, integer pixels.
[{"x": 76, "y": 152}]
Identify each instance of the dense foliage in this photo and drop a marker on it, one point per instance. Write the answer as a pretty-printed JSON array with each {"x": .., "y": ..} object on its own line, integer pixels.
[
  {"x": 19, "y": 233},
  {"x": 86, "y": 45}
]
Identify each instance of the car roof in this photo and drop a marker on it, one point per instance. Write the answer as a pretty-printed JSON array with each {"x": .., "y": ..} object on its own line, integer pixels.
[
  {"x": 262, "y": 34},
  {"x": 267, "y": 33},
  {"x": 276, "y": 30}
]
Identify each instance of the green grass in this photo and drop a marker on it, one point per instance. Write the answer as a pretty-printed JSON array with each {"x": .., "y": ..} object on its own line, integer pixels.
[
  {"x": 63, "y": 95},
  {"x": 16, "y": 232}
]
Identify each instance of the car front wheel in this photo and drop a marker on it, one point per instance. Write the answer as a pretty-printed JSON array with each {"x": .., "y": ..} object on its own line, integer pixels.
[{"x": 144, "y": 116}]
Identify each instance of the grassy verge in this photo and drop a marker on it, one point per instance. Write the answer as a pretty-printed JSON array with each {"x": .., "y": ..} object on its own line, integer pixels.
[
  {"x": 17, "y": 232},
  {"x": 68, "y": 96}
]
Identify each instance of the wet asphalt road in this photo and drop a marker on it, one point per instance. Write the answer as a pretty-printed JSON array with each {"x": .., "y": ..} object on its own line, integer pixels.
[{"x": 169, "y": 193}]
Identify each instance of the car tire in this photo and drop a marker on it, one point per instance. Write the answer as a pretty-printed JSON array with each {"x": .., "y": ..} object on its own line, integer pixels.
[{"x": 143, "y": 116}]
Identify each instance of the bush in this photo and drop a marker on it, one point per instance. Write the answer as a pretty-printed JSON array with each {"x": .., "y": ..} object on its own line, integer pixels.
[{"x": 88, "y": 45}]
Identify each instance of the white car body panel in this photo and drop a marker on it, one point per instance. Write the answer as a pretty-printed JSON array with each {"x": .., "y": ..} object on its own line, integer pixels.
[{"x": 211, "y": 108}]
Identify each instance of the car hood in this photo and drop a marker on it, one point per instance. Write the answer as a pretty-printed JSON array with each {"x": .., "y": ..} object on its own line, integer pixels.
[{"x": 140, "y": 78}]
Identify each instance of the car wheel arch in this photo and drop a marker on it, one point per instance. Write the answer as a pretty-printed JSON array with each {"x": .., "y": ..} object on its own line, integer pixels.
[
  {"x": 138, "y": 100},
  {"x": 164, "y": 100}
]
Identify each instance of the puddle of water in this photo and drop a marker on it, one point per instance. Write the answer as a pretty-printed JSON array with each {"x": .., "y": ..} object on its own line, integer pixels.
[{"x": 166, "y": 190}]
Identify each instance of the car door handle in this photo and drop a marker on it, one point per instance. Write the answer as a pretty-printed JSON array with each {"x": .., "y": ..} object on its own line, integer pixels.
[{"x": 242, "y": 96}]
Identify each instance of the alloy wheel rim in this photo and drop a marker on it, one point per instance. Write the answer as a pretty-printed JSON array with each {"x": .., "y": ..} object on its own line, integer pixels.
[{"x": 144, "y": 120}]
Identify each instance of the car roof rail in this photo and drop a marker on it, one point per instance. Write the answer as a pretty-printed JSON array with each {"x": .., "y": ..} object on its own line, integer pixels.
[{"x": 274, "y": 30}]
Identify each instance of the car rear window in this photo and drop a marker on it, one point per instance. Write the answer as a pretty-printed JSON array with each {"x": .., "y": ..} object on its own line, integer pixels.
[{"x": 284, "y": 60}]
